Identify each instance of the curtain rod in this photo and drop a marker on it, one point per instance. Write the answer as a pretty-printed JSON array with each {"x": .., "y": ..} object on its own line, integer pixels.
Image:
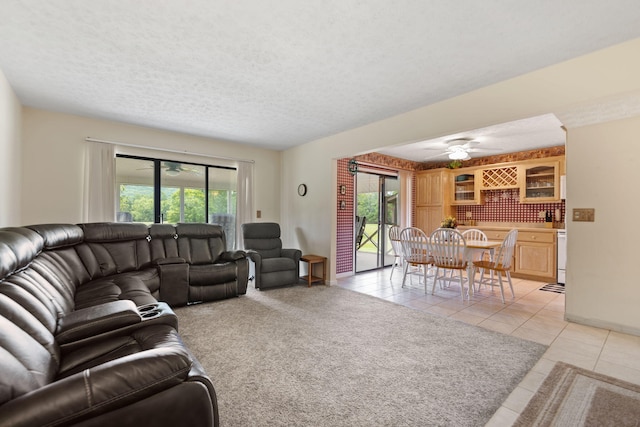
[{"x": 90, "y": 139}]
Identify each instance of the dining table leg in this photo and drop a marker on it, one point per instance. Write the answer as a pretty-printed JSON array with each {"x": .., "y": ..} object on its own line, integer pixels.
[{"x": 471, "y": 275}]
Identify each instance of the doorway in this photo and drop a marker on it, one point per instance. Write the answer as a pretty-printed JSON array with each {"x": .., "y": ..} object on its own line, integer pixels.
[{"x": 377, "y": 209}]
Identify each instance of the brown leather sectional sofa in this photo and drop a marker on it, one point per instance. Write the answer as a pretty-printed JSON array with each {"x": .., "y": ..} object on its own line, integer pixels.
[{"x": 87, "y": 334}]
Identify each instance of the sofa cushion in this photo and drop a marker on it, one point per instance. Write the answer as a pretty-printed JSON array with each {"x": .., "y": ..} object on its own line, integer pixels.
[
  {"x": 58, "y": 235},
  {"x": 200, "y": 243},
  {"x": 164, "y": 241},
  {"x": 134, "y": 286},
  {"x": 25, "y": 365},
  {"x": 112, "y": 248},
  {"x": 209, "y": 274},
  {"x": 264, "y": 238},
  {"x": 270, "y": 265},
  {"x": 17, "y": 249}
]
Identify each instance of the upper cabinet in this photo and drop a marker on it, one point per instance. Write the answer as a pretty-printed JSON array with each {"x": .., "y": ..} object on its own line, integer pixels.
[
  {"x": 499, "y": 178},
  {"x": 466, "y": 190},
  {"x": 429, "y": 186},
  {"x": 433, "y": 201},
  {"x": 540, "y": 182}
]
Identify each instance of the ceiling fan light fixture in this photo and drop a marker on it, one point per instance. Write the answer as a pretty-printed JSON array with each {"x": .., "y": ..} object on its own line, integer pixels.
[
  {"x": 459, "y": 155},
  {"x": 172, "y": 172}
]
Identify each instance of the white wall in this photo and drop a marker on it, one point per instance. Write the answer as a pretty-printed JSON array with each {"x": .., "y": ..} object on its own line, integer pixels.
[
  {"x": 53, "y": 150},
  {"x": 10, "y": 155},
  {"x": 53, "y": 162},
  {"x": 602, "y": 284},
  {"x": 562, "y": 89}
]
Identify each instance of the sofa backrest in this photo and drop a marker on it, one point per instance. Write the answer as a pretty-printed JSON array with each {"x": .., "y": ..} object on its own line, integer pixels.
[
  {"x": 164, "y": 241},
  {"x": 25, "y": 269},
  {"x": 200, "y": 243},
  {"x": 58, "y": 269},
  {"x": 112, "y": 248},
  {"x": 263, "y": 237},
  {"x": 26, "y": 359},
  {"x": 18, "y": 247}
]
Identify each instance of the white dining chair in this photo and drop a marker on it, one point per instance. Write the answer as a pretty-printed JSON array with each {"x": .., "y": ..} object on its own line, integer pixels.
[
  {"x": 501, "y": 264},
  {"x": 396, "y": 245},
  {"x": 477, "y": 235},
  {"x": 415, "y": 252},
  {"x": 448, "y": 248}
]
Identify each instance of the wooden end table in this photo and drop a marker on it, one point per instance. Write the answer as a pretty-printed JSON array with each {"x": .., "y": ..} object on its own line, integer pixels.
[{"x": 311, "y": 260}]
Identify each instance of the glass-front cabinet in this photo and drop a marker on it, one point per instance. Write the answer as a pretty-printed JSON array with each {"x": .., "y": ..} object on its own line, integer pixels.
[
  {"x": 465, "y": 188},
  {"x": 540, "y": 182}
]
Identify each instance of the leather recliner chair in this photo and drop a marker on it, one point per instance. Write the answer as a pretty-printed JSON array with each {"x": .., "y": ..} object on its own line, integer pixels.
[{"x": 274, "y": 266}]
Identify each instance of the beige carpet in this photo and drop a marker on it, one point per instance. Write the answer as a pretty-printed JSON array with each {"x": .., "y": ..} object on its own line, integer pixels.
[
  {"x": 326, "y": 356},
  {"x": 572, "y": 396}
]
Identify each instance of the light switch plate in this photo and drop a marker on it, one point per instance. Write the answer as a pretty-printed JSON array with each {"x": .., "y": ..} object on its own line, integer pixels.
[{"x": 584, "y": 214}]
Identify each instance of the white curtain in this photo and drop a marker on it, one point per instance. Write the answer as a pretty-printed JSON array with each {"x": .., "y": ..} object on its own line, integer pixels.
[
  {"x": 244, "y": 212},
  {"x": 100, "y": 183}
]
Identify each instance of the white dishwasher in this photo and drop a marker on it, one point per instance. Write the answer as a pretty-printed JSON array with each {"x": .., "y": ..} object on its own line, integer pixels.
[{"x": 562, "y": 255}]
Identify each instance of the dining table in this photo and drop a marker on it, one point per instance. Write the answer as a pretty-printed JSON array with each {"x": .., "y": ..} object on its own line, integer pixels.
[{"x": 473, "y": 247}]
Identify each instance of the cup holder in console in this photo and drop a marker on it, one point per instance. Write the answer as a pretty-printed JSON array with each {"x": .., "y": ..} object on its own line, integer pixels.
[
  {"x": 158, "y": 312},
  {"x": 150, "y": 314},
  {"x": 148, "y": 307},
  {"x": 149, "y": 311}
]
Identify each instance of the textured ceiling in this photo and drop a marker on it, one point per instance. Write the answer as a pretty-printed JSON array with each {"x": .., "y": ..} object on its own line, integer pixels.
[
  {"x": 521, "y": 135},
  {"x": 281, "y": 73}
]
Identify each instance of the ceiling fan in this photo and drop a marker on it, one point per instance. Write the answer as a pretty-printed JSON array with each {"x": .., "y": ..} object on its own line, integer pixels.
[
  {"x": 175, "y": 168},
  {"x": 457, "y": 149}
]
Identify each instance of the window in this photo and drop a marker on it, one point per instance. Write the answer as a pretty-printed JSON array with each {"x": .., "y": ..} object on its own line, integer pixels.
[{"x": 166, "y": 191}]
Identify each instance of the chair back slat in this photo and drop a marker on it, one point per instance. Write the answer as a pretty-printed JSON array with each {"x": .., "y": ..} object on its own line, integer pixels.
[
  {"x": 415, "y": 246},
  {"x": 474, "y": 234},
  {"x": 394, "y": 237},
  {"x": 504, "y": 255},
  {"x": 448, "y": 247}
]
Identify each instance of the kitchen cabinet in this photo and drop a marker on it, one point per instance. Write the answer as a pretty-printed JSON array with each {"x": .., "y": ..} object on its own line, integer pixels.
[
  {"x": 540, "y": 182},
  {"x": 433, "y": 201},
  {"x": 499, "y": 178},
  {"x": 428, "y": 218},
  {"x": 429, "y": 188},
  {"x": 465, "y": 188},
  {"x": 534, "y": 254}
]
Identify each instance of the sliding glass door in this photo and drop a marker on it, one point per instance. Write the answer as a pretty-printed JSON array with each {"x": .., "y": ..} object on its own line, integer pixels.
[
  {"x": 377, "y": 210},
  {"x": 164, "y": 191}
]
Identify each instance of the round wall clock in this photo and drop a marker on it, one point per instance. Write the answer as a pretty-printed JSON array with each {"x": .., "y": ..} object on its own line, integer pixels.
[{"x": 302, "y": 189}]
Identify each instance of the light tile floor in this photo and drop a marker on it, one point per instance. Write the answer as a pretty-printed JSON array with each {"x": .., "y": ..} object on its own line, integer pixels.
[{"x": 533, "y": 314}]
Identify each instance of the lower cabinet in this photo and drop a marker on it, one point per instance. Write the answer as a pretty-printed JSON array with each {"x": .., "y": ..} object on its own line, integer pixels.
[
  {"x": 534, "y": 254},
  {"x": 535, "y": 259}
]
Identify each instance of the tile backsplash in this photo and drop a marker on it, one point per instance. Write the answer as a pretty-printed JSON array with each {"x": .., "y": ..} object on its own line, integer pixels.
[{"x": 505, "y": 206}]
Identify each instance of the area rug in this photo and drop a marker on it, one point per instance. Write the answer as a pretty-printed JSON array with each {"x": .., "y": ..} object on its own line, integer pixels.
[
  {"x": 572, "y": 396},
  {"x": 327, "y": 356}
]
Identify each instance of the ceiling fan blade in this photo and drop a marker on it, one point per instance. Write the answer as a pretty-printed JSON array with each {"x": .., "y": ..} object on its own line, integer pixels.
[{"x": 443, "y": 155}]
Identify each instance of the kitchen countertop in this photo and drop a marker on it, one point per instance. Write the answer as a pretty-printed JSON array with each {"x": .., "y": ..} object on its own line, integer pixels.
[{"x": 522, "y": 226}]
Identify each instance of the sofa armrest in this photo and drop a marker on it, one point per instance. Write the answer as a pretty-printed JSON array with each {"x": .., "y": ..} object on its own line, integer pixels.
[
  {"x": 174, "y": 281},
  {"x": 233, "y": 255},
  {"x": 294, "y": 254},
  {"x": 91, "y": 321},
  {"x": 97, "y": 390},
  {"x": 254, "y": 256},
  {"x": 169, "y": 261}
]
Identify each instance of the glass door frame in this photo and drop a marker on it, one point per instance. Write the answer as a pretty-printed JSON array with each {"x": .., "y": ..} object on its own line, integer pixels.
[{"x": 384, "y": 256}]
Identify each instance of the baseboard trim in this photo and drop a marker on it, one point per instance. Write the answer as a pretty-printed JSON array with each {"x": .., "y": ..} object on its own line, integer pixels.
[{"x": 603, "y": 324}]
